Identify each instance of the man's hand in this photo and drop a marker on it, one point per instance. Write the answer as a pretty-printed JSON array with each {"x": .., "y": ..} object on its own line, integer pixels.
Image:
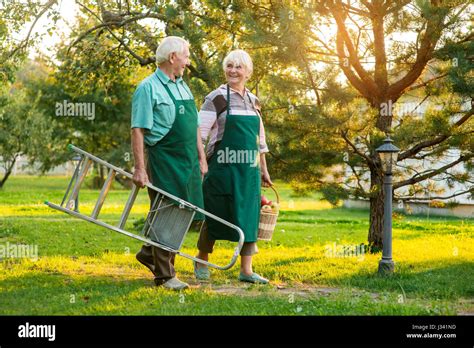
[
  {"x": 203, "y": 166},
  {"x": 140, "y": 177}
]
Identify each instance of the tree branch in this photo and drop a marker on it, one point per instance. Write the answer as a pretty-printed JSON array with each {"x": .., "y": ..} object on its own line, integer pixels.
[
  {"x": 311, "y": 79},
  {"x": 427, "y": 143},
  {"x": 424, "y": 54},
  {"x": 353, "y": 79},
  {"x": 356, "y": 150},
  {"x": 142, "y": 61},
  {"x": 411, "y": 88},
  {"x": 357, "y": 178},
  {"x": 353, "y": 57},
  {"x": 24, "y": 43},
  {"x": 435, "y": 172},
  {"x": 380, "y": 76},
  {"x": 404, "y": 198}
]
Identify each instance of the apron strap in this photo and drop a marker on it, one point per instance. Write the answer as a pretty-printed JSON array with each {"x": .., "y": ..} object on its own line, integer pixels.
[
  {"x": 228, "y": 101},
  {"x": 169, "y": 92}
]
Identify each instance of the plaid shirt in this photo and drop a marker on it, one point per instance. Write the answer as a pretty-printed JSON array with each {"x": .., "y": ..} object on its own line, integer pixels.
[{"x": 213, "y": 115}]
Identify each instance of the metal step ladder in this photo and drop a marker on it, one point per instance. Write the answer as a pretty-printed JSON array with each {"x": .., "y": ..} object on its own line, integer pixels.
[{"x": 168, "y": 220}]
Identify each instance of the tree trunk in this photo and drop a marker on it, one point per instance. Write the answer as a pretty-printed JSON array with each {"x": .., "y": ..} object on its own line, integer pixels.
[
  {"x": 98, "y": 180},
  {"x": 384, "y": 123},
  {"x": 8, "y": 172},
  {"x": 376, "y": 212}
]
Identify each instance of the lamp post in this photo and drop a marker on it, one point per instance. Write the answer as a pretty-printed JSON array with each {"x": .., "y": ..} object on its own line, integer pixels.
[
  {"x": 76, "y": 159},
  {"x": 388, "y": 157}
]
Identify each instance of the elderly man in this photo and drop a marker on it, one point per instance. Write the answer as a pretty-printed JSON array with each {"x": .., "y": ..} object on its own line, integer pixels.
[{"x": 165, "y": 125}]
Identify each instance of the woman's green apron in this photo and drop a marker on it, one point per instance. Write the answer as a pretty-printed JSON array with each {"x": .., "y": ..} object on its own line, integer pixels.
[
  {"x": 232, "y": 190},
  {"x": 173, "y": 161}
]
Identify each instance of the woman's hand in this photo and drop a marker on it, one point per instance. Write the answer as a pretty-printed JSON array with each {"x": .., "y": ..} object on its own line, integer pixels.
[
  {"x": 201, "y": 155},
  {"x": 266, "y": 181},
  {"x": 203, "y": 166}
]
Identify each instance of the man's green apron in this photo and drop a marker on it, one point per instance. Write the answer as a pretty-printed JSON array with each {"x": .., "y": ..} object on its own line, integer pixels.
[
  {"x": 173, "y": 161},
  {"x": 232, "y": 190}
]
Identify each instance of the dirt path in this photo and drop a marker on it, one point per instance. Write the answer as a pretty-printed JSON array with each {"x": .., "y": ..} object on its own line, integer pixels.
[
  {"x": 242, "y": 289},
  {"x": 300, "y": 291}
]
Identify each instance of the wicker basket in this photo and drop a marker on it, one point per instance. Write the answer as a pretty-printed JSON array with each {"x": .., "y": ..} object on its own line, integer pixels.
[{"x": 268, "y": 220}]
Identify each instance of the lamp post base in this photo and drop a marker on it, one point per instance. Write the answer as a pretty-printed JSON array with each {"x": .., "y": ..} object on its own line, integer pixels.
[{"x": 386, "y": 267}]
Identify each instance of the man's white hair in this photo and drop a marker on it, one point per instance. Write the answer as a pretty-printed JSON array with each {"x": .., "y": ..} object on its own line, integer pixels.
[
  {"x": 239, "y": 57},
  {"x": 169, "y": 45}
]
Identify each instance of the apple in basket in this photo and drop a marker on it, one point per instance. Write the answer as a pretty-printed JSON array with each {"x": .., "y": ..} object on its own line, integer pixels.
[
  {"x": 265, "y": 201},
  {"x": 275, "y": 207},
  {"x": 267, "y": 208}
]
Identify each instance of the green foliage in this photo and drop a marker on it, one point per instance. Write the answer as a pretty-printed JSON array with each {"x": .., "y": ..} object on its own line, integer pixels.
[
  {"x": 460, "y": 72},
  {"x": 24, "y": 130}
]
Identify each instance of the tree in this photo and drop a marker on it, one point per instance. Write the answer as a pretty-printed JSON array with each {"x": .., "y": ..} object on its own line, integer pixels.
[
  {"x": 24, "y": 130},
  {"x": 14, "y": 16},
  {"x": 337, "y": 124},
  {"x": 99, "y": 84}
]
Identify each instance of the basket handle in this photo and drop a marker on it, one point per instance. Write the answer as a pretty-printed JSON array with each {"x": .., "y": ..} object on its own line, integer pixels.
[{"x": 276, "y": 193}]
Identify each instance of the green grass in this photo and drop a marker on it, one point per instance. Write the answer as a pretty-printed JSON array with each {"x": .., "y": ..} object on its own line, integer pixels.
[{"x": 86, "y": 269}]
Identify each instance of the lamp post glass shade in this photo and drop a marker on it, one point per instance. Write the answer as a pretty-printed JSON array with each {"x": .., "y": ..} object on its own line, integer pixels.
[{"x": 388, "y": 155}]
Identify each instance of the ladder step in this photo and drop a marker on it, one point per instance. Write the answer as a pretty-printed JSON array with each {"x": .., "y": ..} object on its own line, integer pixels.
[
  {"x": 73, "y": 178},
  {"x": 77, "y": 185},
  {"x": 128, "y": 206},
  {"x": 103, "y": 193},
  {"x": 151, "y": 214}
]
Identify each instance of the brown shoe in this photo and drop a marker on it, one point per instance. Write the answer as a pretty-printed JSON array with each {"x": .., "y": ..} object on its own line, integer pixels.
[{"x": 145, "y": 257}]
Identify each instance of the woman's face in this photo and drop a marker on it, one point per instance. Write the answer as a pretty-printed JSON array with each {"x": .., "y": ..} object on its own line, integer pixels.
[{"x": 235, "y": 74}]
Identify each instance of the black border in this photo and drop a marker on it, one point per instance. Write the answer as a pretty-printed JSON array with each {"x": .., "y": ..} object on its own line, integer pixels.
[{"x": 190, "y": 331}]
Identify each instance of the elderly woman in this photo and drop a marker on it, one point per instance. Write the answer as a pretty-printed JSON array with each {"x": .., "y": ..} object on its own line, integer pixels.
[{"x": 231, "y": 120}]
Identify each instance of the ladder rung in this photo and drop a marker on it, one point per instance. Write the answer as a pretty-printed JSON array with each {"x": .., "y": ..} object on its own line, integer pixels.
[
  {"x": 128, "y": 206},
  {"x": 103, "y": 194},
  {"x": 151, "y": 215},
  {"x": 73, "y": 178},
  {"x": 77, "y": 185}
]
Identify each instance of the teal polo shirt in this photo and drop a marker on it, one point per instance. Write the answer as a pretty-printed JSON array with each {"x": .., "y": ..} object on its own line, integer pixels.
[{"x": 153, "y": 109}]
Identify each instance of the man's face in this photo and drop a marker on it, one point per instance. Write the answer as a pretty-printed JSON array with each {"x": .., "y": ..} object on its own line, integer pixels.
[{"x": 180, "y": 61}]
